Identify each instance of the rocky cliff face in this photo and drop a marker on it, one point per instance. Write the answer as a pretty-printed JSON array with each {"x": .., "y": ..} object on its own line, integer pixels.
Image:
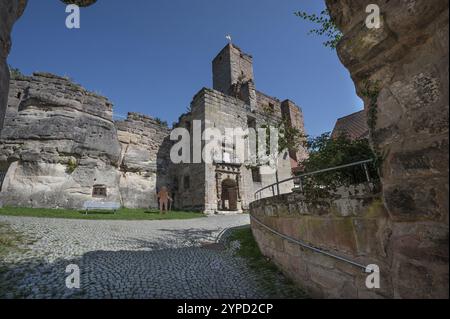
[
  {"x": 401, "y": 71},
  {"x": 10, "y": 11},
  {"x": 58, "y": 141},
  {"x": 144, "y": 160}
]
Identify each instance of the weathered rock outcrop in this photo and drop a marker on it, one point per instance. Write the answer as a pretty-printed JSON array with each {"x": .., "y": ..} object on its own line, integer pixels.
[
  {"x": 80, "y": 3},
  {"x": 58, "y": 141},
  {"x": 144, "y": 159},
  {"x": 401, "y": 71},
  {"x": 10, "y": 11}
]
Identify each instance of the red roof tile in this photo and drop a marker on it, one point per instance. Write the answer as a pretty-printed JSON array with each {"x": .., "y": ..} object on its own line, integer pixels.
[{"x": 353, "y": 125}]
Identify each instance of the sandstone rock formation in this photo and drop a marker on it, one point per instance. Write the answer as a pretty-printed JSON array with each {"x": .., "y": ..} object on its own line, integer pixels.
[
  {"x": 60, "y": 144},
  {"x": 401, "y": 71},
  {"x": 60, "y": 140},
  {"x": 145, "y": 148},
  {"x": 10, "y": 11},
  {"x": 80, "y": 3}
]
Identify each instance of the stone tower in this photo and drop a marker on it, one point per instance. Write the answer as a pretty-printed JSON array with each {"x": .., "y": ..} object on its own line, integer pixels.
[
  {"x": 230, "y": 182},
  {"x": 231, "y": 66},
  {"x": 233, "y": 74}
]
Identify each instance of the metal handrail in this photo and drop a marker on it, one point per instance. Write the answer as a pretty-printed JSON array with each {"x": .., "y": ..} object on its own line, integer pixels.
[
  {"x": 299, "y": 177},
  {"x": 304, "y": 245}
]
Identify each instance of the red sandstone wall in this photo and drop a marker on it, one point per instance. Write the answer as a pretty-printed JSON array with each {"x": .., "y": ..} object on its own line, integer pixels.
[
  {"x": 355, "y": 227},
  {"x": 407, "y": 59}
]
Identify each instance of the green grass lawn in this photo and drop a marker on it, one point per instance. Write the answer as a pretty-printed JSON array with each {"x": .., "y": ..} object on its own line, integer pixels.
[
  {"x": 270, "y": 275},
  {"x": 122, "y": 214}
]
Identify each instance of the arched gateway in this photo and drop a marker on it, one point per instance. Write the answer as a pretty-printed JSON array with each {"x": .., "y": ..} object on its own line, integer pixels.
[{"x": 229, "y": 195}]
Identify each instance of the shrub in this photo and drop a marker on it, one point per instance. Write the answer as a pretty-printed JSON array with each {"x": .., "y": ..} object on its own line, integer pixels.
[{"x": 327, "y": 152}]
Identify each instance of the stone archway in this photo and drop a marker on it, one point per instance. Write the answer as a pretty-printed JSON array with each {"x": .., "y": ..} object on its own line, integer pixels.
[
  {"x": 228, "y": 187},
  {"x": 229, "y": 198}
]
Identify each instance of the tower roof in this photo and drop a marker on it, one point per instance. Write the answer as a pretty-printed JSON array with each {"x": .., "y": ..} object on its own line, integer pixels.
[{"x": 353, "y": 125}]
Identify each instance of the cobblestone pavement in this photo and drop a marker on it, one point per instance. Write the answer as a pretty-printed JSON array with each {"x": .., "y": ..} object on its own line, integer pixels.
[{"x": 127, "y": 259}]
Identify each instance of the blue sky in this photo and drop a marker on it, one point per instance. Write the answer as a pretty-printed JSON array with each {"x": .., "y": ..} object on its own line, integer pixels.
[{"x": 153, "y": 56}]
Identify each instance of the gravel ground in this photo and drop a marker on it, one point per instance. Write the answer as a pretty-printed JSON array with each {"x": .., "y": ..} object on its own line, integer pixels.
[{"x": 127, "y": 259}]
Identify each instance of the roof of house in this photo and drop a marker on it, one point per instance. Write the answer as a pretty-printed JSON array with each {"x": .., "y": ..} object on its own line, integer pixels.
[{"x": 353, "y": 125}]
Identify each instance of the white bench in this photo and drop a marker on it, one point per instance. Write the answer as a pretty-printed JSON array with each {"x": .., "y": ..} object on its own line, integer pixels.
[{"x": 105, "y": 206}]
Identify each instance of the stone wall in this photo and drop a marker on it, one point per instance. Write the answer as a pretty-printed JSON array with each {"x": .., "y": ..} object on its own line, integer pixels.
[
  {"x": 233, "y": 103},
  {"x": 188, "y": 179},
  {"x": 293, "y": 116},
  {"x": 352, "y": 224},
  {"x": 10, "y": 11},
  {"x": 231, "y": 66},
  {"x": 220, "y": 111},
  {"x": 407, "y": 59}
]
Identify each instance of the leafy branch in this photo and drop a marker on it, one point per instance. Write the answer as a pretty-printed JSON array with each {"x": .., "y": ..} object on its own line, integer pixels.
[
  {"x": 326, "y": 28},
  {"x": 14, "y": 72},
  {"x": 325, "y": 152},
  {"x": 161, "y": 122}
]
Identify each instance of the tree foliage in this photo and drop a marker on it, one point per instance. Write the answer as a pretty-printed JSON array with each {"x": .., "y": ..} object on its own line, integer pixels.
[
  {"x": 326, "y": 28},
  {"x": 289, "y": 137},
  {"x": 327, "y": 152},
  {"x": 161, "y": 122},
  {"x": 14, "y": 72}
]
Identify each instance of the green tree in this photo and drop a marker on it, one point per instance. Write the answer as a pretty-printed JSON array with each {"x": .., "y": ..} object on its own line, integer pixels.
[
  {"x": 290, "y": 138},
  {"x": 15, "y": 72},
  {"x": 327, "y": 152},
  {"x": 326, "y": 28},
  {"x": 161, "y": 122}
]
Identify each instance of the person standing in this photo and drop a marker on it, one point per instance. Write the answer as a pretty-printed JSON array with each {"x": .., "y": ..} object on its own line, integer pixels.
[{"x": 164, "y": 200}]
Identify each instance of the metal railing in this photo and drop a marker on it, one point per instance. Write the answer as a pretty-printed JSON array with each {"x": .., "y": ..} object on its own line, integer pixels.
[
  {"x": 298, "y": 179},
  {"x": 310, "y": 247}
]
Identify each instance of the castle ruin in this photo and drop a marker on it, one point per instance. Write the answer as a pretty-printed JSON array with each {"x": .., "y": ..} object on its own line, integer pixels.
[{"x": 61, "y": 147}]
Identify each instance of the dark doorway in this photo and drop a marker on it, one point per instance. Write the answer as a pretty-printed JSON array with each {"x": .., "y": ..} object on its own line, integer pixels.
[
  {"x": 229, "y": 195},
  {"x": 3, "y": 171}
]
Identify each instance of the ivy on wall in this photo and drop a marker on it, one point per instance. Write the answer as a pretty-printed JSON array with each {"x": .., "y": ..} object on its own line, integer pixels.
[{"x": 371, "y": 91}]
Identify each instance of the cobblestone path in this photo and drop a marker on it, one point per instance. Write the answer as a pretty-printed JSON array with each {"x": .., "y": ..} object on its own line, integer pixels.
[{"x": 127, "y": 259}]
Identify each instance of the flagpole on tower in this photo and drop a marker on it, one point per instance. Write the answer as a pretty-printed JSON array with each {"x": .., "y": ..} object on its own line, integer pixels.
[{"x": 230, "y": 40}]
